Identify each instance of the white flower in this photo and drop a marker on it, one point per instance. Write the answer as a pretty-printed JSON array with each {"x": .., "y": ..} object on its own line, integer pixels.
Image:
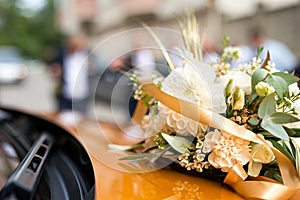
[
  {"x": 260, "y": 154},
  {"x": 296, "y": 105},
  {"x": 226, "y": 150},
  {"x": 263, "y": 89},
  {"x": 294, "y": 101},
  {"x": 232, "y": 53},
  {"x": 180, "y": 124},
  {"x": 195, "y": 85},
  {"x": 240, "y": 79},
  {"x": 294, "y": 89},
  {"x": 153, "y": 123},
  {"x": 255, "y": 62},
  {"x": 270, "y": 66},
  {"x": 238, "y": 99},
  {"x": 221, "y": 68},
  {"x": 210, "y": 141},
  {"x": 229, "y": 89},
  {"x": 293, "y": 106},
  {"x": 251, "y": 67}
]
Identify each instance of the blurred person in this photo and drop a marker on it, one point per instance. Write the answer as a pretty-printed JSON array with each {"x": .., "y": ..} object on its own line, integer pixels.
[
  {"x": 245, "y": 55},
  {"x": 280, "y": 54},
  {"x": 142, "y": 58},
  {"x": 113, "y": 86},
  {"x": 121, "y": 64},
  {"x": 210, "y": 54},
  {"x": 144, "y": 61},
  {"x": 70, "y": 68},
  {"x": 111, "y": 77}
]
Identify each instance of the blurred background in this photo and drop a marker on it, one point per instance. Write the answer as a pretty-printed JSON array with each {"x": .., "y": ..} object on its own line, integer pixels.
[{"x": 32, "y": 31}]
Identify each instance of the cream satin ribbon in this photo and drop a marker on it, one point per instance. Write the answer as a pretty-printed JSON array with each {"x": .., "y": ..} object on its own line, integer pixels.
[{"x": 259, "y": 189}]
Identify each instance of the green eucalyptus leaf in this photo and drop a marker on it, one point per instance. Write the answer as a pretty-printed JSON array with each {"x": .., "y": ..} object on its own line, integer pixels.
[
  {"x": 266, "y": 134},
  {"x": 258, "y": 76},
  {"x": 276, "y": 130},
  {"x": 279, "y": 84},
  {"x": 180, "y": 144},
  {"x": 289, "y": 78},
  {"x": 290, "y": 132},
  {"x": 140, "y": 157},
  {"x": 283, "y": 150},
  {"x": 283, "y": 118},
  {"x": 293, "y": 149},
  {"x": 273, "y": 174},
  {"x": 267, "y": 106},
  {"x": 124, "y": 147},
  {"x": 296, "y": 132},
  {"x": 285, "y": 145},
  {"x": 297, "y": 156},
  {"x": 253, "y": 121}
]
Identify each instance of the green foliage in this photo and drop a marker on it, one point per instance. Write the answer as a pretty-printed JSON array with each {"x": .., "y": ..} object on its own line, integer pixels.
[
  {"x": 35, "y": 35},
  {"x": 259, "y": 50},
  {"x": 276, "y": 130},
  {"x": 124, "y": 147},
  {"x": 273, "y": 174},
  {"x": 253, "y": 121},
  {"x": 279, "y": 81},
  {"x": 267, "y": 106},
  {"x": 288, "y": 78},
  {"x": 151, "y": 157},
  {"x": 283, "y": 118},
  {"x": 258, "y": 75},
  {"x": 279, "y": 84},
  {"x": 294, "y": 132},
  {"x": 180, "y": 144},
  {"x": 225, "y": 41},
  {"x": 140, "y": 157},
  {"x": 283, "y": 149},
  {"x": 270, "y": 120},
  {"x": 297, "y": 155},
  {"x": 160, "y": 141}
]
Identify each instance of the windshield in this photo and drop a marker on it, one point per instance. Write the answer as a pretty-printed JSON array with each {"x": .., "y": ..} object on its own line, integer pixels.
[{"x": 9, "y": 54}]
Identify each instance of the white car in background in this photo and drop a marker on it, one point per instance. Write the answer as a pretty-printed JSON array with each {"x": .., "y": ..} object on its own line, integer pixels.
[{"x": 12, "y": 68}]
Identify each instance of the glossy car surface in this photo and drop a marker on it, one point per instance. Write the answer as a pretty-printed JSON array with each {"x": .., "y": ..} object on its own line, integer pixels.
[
  {"x": 117, "y": 180},
  {"x": 43, "y": 160}
]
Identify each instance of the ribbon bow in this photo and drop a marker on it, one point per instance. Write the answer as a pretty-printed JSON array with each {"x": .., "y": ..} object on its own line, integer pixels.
[{"x": 265, "y": 188}]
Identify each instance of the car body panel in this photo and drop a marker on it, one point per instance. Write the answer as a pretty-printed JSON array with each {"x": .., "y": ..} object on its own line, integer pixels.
[{"x": 115, "y": 181}]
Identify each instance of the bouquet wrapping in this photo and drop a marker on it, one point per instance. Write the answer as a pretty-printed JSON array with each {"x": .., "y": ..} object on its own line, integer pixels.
[{"x": 240, "y": 122}]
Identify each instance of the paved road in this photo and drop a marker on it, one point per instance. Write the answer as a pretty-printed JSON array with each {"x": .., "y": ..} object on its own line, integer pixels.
[{"x": 34, "y": 93}]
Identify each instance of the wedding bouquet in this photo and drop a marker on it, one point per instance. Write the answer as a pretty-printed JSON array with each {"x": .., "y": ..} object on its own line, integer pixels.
[{"x": 240, "y": 122}]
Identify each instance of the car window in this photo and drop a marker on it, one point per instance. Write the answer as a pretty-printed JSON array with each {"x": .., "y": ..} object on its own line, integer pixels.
[{"x": 9, "y": 54}]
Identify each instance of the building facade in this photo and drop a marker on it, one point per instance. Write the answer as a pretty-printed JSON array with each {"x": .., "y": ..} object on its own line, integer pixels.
[{"x": 101, "y": 19}]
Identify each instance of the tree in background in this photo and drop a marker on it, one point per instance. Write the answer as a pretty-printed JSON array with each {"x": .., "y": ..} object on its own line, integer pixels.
[{"x": 33, "y": 32}]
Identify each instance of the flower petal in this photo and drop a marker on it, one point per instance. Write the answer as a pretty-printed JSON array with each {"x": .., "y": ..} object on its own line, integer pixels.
[{"x": 254, "y": 168}]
